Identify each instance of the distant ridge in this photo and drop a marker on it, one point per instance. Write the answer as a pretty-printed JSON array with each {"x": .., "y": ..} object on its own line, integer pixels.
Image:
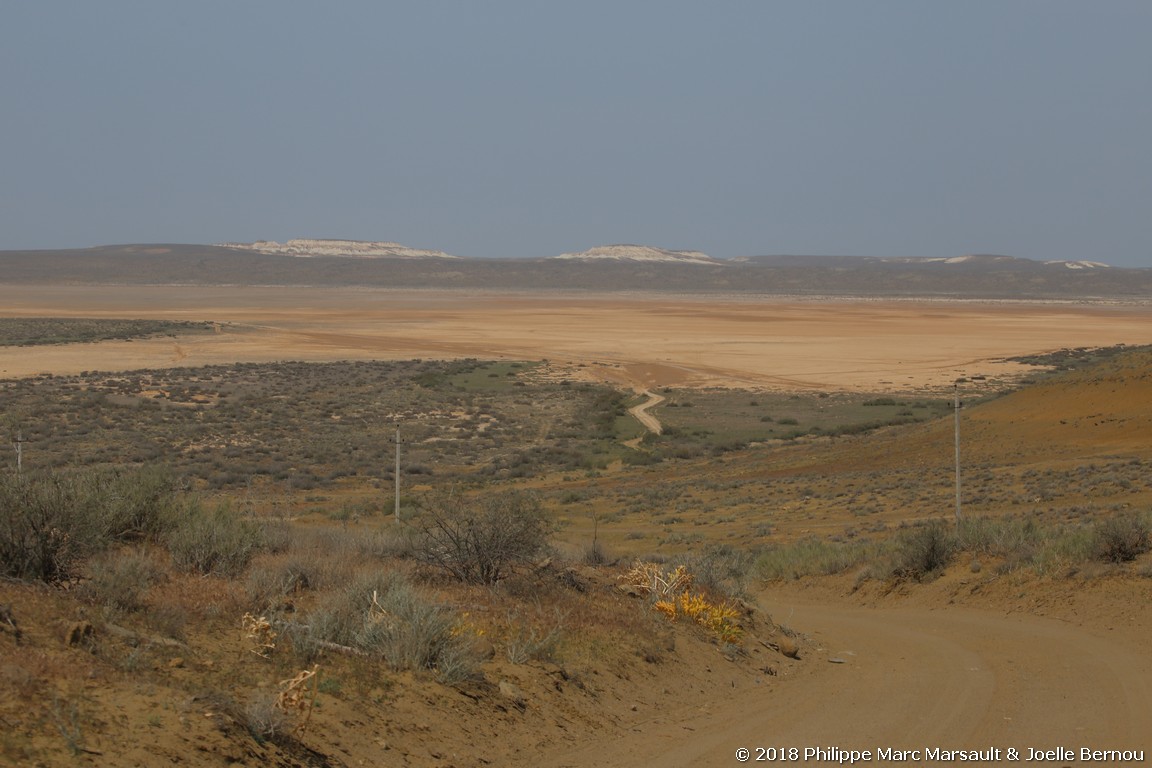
[
  {"x": 357, "y": 249},
  {"x": 971, "y": 260},
  {"x": 979, "y": 276},
  {"x": 641, "y": 253}
]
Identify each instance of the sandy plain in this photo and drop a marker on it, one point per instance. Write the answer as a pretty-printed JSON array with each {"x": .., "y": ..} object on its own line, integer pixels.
[
  {"x": 638, "y": 340},
  {"x": 967, "y": 663}
]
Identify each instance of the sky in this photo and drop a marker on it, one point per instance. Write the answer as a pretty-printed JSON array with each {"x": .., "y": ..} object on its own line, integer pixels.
[{"x": 532, "y": 128}]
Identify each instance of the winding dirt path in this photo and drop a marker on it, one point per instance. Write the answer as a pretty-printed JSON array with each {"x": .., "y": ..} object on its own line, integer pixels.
[
  {"x": 917, "y": 679},
  {"x": 640, "y": 412}
]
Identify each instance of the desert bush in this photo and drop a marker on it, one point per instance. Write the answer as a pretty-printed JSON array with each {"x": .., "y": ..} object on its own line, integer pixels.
[
  {"x": 922, "y": 551},
  {"x": 120, "y": 580},
  {"x": 263, "y": 718},
  {"x": 48, "y": 524},
  {"x": 135, "y": 505},
  {"x": 51, "y": 521},
  {"x": 722, "y": 569},
  {"x": 384, "y": 616},
  {"x": 480, "y": 540},
  {"x": 38, "y": 537},
  {"x": 998, "y": 536},
  {"x": 1121, "y": 539},
  {"x": 340, "y": 617},
  {"x": 216, "y": 541}
]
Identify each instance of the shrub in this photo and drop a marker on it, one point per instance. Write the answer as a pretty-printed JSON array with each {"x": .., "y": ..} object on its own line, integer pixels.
[
  {"x": 1121, "y": 539},
  {"x": 480, "y": 540},
  {"x": 135, "y": 505},
  {"x": 383, "y": 616},
  {"x": 212, "y": 542},
  {"x": 40, "y": 536},
  {"x": 923, "y": 550},
  {"x": 51, "y": 521},
  {"x": 533, "y": 638},
  {"x": 722, "y": 569},
  {"x": 120, "y": 580}
]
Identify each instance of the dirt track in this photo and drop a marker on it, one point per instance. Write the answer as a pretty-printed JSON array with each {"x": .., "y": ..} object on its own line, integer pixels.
[
  {"x": 640, "y": 412},
  {"x": 917, "y": 678}
]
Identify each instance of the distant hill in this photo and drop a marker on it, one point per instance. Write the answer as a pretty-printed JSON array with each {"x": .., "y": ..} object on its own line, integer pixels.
[
  {"x": 640, "y": 253},
  {"x": 972, "y": 262},
  {"x": 603, "y": 269},
  {"x": 359, "y": 249}
]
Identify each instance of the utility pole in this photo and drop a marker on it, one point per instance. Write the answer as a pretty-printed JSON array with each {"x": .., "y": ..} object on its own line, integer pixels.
[
  {"x": 396, "y": 483},
  {"x": 956, "y": 408},
  {"x": 19, "y": 444}
]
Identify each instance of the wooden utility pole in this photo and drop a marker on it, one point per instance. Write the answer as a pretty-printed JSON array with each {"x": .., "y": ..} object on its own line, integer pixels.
[
  {"x": 396, "y": 482},
  {"x": 956, "y": 408},
  {"x": 19, "y": 452}
]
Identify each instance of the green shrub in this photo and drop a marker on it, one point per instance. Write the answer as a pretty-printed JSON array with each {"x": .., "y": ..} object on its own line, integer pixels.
[
  {"x": 1018, "y": 541},
  {"x": 134, "y": 505},
  {"x": 42, "y": 527},
  {"x": 721, "y": 569},
  {"x": 51, "y": 521},
  {"x": 216, "y": 541}
]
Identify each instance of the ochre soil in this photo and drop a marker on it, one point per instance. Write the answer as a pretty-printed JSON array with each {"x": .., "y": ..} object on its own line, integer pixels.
[
  {"x": 641, "y": 340},
  {"x": 974, "y": 660}
]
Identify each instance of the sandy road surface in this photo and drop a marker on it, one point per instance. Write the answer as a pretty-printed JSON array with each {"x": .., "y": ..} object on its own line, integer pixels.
[
  {"x": 640, "y": 412},
  {"x": 915, "y": 679},
  {"x": 639, "y": 340}
]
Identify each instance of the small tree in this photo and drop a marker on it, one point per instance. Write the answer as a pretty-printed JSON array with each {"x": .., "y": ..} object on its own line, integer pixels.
[{"x": 479, "y": 540}]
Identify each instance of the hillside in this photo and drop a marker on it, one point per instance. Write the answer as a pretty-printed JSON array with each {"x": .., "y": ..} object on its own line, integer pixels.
[
  {"x": 159, "y": 648},
  {"x": 987, "y": 278},
  {"x": 356, "y": 249}
]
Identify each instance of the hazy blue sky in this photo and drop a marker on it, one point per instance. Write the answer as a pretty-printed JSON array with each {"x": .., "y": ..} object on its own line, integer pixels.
[{"x": 500, "y": 128}]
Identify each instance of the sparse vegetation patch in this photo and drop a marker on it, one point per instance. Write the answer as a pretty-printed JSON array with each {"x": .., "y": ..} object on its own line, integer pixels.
[{"x": 27, "y": 332}]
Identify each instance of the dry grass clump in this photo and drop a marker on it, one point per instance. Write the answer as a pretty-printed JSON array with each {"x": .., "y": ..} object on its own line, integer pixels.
[
  {"x": 382, "y": 615},
  {"x": 811, "y": 556},
  {"x": 120, "y": 580},
  {"x": 533, "y": 633}
]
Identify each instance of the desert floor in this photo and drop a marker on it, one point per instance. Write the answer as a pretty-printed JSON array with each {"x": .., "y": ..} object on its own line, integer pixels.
[
  {"x": 640, "y": 340},
  {"x": 964, "y": 664}
]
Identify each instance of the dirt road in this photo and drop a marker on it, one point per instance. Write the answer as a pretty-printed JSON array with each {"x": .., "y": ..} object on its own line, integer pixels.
[
  {"x": 918, "y": 679},
  {"x": 640, "y": 412}
]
